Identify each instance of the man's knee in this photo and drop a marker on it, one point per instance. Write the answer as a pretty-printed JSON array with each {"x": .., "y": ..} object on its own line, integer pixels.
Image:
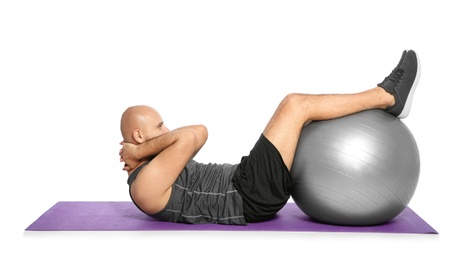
[{"x": 291, "y": 102}]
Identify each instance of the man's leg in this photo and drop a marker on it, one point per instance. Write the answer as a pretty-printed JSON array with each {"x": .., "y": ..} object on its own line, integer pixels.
[{"x": 295, "y": 110}]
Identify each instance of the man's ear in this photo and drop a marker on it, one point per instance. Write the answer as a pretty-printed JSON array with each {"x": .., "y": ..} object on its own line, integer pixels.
[{"x": 138, "y": 136}]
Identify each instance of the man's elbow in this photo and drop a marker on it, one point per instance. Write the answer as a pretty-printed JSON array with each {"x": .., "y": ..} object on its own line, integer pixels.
[
  {"x": 195, "y": 135},
  {"x": 201, "y": 133}
]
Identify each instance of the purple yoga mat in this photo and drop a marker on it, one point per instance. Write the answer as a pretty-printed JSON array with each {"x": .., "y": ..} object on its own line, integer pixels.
[{"x": 103, "y": 216}]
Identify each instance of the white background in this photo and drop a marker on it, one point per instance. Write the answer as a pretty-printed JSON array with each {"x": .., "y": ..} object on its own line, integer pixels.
[{"x": 68, "y": 69}]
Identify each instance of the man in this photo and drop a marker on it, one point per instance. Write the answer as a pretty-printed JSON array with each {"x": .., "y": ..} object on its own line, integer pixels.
[{"x": 167, "y": 184}]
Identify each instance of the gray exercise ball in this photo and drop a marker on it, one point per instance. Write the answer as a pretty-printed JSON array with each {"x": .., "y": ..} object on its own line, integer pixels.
[{"x": 356, "y": 170}]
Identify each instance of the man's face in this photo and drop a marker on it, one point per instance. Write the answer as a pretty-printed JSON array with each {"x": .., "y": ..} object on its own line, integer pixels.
[{"x": 155, "y": 126}]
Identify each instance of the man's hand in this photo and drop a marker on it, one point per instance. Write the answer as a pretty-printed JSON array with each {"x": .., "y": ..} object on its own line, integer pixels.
[{"x": 128, "y": 156}]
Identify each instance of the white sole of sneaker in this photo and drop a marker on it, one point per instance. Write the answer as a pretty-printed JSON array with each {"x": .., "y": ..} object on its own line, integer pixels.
[{"x": 406, "y": 109}]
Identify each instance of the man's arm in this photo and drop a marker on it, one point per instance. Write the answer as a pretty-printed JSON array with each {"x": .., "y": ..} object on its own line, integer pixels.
[{"x": 133, "y": 154}]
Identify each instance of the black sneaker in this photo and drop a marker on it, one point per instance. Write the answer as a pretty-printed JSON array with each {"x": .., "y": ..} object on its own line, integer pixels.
[
  {"x": 393, "y": 71},
  {"x": 401, "y": 83}
]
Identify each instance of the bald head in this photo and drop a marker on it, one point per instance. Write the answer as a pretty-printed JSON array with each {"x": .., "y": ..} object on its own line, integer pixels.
[{"x": 140, "y": 123}]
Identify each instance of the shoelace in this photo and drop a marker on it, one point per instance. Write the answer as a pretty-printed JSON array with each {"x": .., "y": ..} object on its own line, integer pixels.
[{"x": 396, "y": 76}]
